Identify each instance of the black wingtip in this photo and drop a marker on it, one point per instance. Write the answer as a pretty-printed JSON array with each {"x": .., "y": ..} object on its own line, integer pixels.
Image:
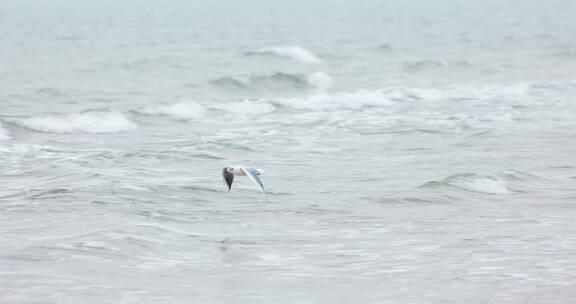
[{"x": 228, "y": 178}]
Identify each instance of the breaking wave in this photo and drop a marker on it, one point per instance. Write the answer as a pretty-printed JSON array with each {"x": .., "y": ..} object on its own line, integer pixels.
[
  {"x": 320, "y": 80},
  {"x": 293, "y": 52},
  {"x": 276, "y": 81},
  {"x": 325, "y": 101},
  {"x": 182, "y": 110},
  {"x": 246, "y": 107},
  {"x": 91, "y": 122},
  {"x": 195, "y": 111}
]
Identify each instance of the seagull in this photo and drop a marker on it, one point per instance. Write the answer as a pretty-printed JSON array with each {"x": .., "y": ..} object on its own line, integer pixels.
[{"x": 229, "y": 172}]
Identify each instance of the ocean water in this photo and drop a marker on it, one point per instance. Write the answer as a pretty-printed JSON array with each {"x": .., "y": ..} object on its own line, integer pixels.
[{"x": 414, "y": 152}]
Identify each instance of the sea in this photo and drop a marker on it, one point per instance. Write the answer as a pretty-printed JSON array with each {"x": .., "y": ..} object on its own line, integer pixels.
[{"x": 412, "y": 151}]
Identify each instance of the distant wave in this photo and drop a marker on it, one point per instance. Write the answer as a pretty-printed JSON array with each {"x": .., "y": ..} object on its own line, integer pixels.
[
  {"x": 429, "y": 64},
  {"x": 386, "y": 47},
  {"x": 566, "y": 53},
  {"x": 293, "y": 52},
  {"x": 181, "y": 110},
  {"x": 90, "y": 122},
  {"x": 49, "y": 92},
  {"x": 319, "y": 80},
  {"x": 3, "y": 133}
]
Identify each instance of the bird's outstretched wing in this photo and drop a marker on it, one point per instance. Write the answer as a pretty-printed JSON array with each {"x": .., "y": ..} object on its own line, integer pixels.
[{"x": 253, "y": 175}]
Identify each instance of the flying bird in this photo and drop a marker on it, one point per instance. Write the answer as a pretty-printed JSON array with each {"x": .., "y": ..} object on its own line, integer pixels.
[{"x": 229, "y": 172}]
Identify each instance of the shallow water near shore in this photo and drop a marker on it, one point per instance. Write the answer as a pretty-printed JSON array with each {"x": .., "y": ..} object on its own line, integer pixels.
[{"x": 410, "y": 155}]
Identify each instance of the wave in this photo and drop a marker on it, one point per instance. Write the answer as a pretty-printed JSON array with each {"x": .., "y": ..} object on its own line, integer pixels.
[
  {"x": 431, "y": 98},
  {"x": 498, "y": 183},
  {"x": 90, "y": 122},
  {"x": 276, "y": 81},
  {"x": 325, "y": 101},
  {"x": 182, "y": 110},
  {"x": 386, "y": 47},
  {"x": 427, "y": 105},
  {"x": 196, "y": 111},
  {"x": 320, "y": 80},
  {"x": 246, "y": 107},
  {"x": 429, "y": 64},
  {"x": 566, "y": 53},
  {"x": 3, "y": 133},
  {"x": 49, "y": 92},
  {"x": 473, "y": 183},
  {"x": 293, "y": 52},
  {"x": 438, "y": 110}
]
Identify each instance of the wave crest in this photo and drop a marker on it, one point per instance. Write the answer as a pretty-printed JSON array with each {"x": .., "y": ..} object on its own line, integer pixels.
[
  {"x": 323, "y": 101},
  {"x": 473, "y": 183},
  {"x": 430, "y": 64},
  {"x": 91, "y": 122},
  {"x": 247, "y": 107},
  {"x": 276, "y": 81},
  {"x": 320, "y": 80},
  {"x": 290, "y": 51},
  {"x": 182, "y": 110}
]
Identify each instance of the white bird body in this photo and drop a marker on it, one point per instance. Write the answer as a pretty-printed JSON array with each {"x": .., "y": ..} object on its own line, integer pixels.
[
  {"x": 237, "y": 170},
  {"x": 229, "y": 172}
]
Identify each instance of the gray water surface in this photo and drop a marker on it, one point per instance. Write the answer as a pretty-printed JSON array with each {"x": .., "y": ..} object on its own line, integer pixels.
[{"x": 413, "y": 152}]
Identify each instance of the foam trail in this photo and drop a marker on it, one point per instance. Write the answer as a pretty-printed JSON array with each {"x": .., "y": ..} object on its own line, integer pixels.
[
  {"x": 182, "y": 110},
  {"x": 91, "y": 122},
  {"x": 293, "y": 52}
]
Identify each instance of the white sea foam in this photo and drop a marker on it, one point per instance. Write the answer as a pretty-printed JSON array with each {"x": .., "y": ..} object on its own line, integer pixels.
[
  {"x": 91, "y": 122},
  {"x": 501, "y": 95},
  {"x": 3, "y": 133},
  {"x": 324, "y": 101},
  {"x": 247, "y": 107},
  {"x": 482, "y": 184},
  {"x": 290, "y": 51},
  {"x": 319, "y": 80},
  {"x": 182, "y": 110}
]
